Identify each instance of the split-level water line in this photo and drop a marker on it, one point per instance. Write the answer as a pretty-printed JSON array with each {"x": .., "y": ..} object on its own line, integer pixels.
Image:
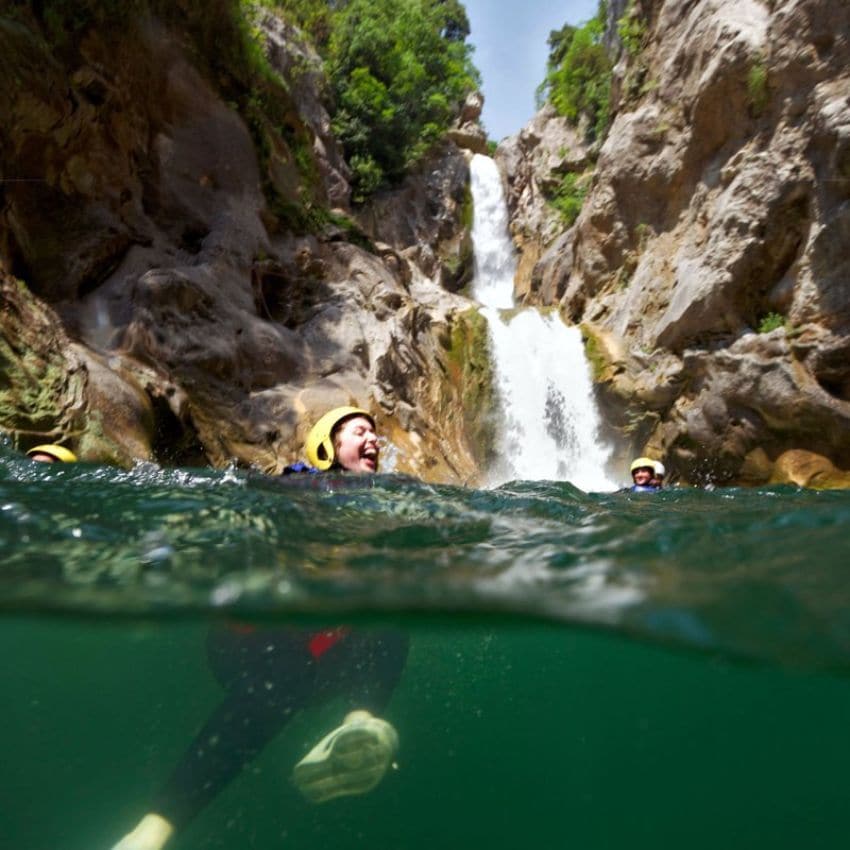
[{"x": 549, "y": 424}]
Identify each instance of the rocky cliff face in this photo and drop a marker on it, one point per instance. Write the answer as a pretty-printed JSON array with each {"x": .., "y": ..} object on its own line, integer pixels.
[
  {"x": 154, "y": 305},
  {"x": 710, "y": 265}
]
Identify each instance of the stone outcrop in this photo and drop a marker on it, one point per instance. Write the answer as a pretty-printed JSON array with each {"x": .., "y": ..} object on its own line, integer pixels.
[
  {"x": 534, "y": 162},
  {"x": 428, "y": 219},
  {"x": 170, "y": 313},
  {"x": 467, "y": 133},
  {"x": 710, "y": 264},
  {"x": 299, "y": 64}
]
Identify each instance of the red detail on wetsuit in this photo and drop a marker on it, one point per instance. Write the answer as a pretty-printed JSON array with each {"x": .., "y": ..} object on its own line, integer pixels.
[{"x": 321, "y": 642}]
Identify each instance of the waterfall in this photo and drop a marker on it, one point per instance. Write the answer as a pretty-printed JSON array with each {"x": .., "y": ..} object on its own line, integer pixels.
[{"x": 550, "y": 427}]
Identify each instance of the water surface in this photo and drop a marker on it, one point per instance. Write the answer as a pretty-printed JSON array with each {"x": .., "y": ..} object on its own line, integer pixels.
[{"x": 586, "y": 670}]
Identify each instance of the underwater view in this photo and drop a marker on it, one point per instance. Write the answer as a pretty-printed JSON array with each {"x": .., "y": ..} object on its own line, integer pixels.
[
  {"x": 278, "y": 236},
  {"x": 591, "y": 670}
]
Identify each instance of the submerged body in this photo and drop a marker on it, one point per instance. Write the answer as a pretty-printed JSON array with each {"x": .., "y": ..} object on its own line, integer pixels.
[
  {"x": 682, "y": 661},
  {"x": 271, "y": 674}
]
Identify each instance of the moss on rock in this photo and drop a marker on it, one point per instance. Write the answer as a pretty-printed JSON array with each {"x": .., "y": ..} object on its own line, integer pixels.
[
  {"x": 598, "y": 355},
  {"x": 42, "y": 393},
  {"x": 470, "y": 371},
  {"x": 47, "y": 395}
]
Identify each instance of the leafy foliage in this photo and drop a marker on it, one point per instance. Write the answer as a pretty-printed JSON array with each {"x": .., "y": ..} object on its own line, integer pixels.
[
  {"x": 313, "y": 17},
  {"x": 569, "y": 196},
  {"x": 578, "y": 77},
  {"x": 757, "y": 91},
  {"x": 399, "y": 71},
  {"x": 771, "y": 322},
  {"x": 631, "y": 29}
]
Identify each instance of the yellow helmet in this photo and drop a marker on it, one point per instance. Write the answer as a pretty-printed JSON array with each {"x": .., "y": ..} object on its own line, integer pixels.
[
  {"x": 320, "y": 445},
  {"x": 641, "y": 462},
  {"x": 59, "y": 453}
]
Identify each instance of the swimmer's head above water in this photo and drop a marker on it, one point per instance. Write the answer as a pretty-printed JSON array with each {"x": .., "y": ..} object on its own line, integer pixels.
[
  {"x": 344, "y": 438},
  {"x": 642, "y": 471},
  {"x": 50, "y": 453}
]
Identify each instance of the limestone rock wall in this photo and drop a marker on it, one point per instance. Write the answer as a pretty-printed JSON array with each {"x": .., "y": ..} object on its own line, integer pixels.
[
  {"x": 710, "y": 264},
  {"x": 154, "y": 305}
]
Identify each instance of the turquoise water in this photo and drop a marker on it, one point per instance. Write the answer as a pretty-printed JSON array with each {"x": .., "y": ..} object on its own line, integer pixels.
[{"x": 586, "y": 670}]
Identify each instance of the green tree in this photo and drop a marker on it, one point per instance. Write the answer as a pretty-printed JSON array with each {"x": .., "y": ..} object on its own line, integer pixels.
[
  {"x": 400, "y": 71},
  {"x": 455, "y": 20},
  {"x": 578, "y": 79}
]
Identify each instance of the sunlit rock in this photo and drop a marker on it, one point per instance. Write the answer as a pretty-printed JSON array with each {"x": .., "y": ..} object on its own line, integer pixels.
[
  {"x": 713, "y": 241},
  {"x": 179, "y": 317}
]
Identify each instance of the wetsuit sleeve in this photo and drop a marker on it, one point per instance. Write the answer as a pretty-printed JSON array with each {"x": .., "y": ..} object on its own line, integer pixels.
[
  {"x": 300, "y": 467},
  {"x": 268, "y": 676},
  {"x": 232, "y": 737}
]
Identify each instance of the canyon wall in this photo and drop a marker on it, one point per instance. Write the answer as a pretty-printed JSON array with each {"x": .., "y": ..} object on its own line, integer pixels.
[
  {"x": 709, "y": 266},
  {"x": 157, "y": 306}
]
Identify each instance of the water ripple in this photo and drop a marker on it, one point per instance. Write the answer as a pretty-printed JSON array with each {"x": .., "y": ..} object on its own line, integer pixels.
[{"x": 755, "y": 573}]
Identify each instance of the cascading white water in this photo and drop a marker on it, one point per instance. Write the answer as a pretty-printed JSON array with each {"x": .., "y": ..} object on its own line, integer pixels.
[{"x": 551, "y": 425}]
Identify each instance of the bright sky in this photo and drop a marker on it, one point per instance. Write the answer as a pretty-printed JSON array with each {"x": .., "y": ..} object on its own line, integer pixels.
[{"x": 511, "y": 50}]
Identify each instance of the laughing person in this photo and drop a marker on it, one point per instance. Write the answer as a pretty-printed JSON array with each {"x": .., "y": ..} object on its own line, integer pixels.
[
  {"x": 345, "y": 438},
  {"x": 270, "y": 674}
]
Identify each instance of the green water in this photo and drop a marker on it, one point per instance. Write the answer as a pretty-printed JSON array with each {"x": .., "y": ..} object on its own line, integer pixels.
[{"x": 587, "y": 671}]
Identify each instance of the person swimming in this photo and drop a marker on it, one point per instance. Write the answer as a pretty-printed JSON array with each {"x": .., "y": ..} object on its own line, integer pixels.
[
  {"x": 343, "y": 439},
  {"x": 270, "y": 674},
  {"x": 645, "y": 476},
  {"x": 660, "y": 472},
  {"x": 51, "y": 453}
]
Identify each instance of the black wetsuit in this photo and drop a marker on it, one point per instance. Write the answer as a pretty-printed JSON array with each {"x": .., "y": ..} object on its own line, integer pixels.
[{"x": 269, "y": 674}]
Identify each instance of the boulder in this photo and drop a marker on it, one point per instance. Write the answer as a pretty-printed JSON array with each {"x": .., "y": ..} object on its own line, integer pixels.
[
  {"x": 808, "y": 469},
  {"x": 56, "y": 391},
  {"x": 428, "y": 218},
  {"x": 298, "y": 63},
  {"x": 533, "y": 163},
  {"x": 467, "y": 132}
]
